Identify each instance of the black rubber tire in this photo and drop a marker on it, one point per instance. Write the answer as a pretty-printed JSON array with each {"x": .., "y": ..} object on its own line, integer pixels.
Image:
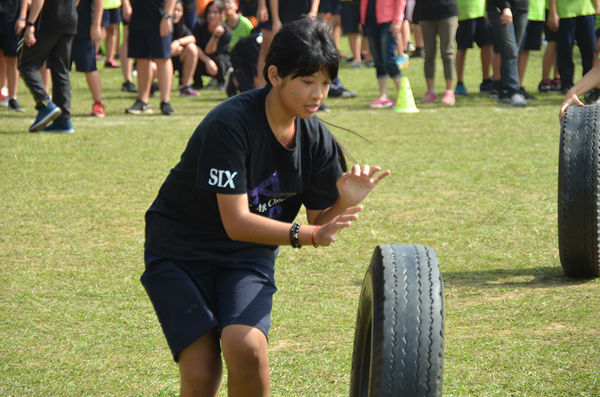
[
  {"x": 578, "y": 205},
  {"x": 399, "y": 337}
]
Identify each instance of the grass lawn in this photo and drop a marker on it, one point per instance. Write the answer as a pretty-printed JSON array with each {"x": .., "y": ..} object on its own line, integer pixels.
[{"x": 476, "y": 181}]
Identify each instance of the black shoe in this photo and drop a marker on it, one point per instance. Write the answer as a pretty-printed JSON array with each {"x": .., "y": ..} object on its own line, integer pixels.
[
  {"x": 417, "y": 53},
  {"x": 213, "y": 84},
  {"x": 14, "y": 105},
  {"x": 526, "y": 94},
  {"x": 341, "y": 92},
  {"x": 564, "y": 88},
  {"x": 128, "y": 87},
  {"x": 324, "y": 108},
  {"x": 139, "y": 107},
  {"x": 592, "y": 96},
  {"x": 166, "y": 109},
  {"x": 153, "y": 89}
]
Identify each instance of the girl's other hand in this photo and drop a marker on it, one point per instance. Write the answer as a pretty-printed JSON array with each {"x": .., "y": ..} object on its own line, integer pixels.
[{"x": 325, "y": 235}]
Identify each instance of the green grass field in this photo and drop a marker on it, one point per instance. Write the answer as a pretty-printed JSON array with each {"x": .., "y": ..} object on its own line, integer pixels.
[{"x": 476, "y": 181}]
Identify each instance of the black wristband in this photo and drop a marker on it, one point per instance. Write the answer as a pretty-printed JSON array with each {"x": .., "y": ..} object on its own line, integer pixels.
[
  {"x": 27, "y": 23},
  {"x": 295, "y": 235}
]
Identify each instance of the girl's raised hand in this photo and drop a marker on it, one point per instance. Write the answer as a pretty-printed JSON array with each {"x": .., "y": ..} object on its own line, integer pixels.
[
  {"x": 355, "y": 185},
  {"x": 569, "y": 100},
  {"x": 325, "y": 234}
]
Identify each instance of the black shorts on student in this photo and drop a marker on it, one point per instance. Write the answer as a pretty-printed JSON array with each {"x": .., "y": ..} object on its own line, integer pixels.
[
  {"x": 111, "y": 16},
  {"x": 148, "y": 44},
  {"x": 192, "y": 297},
  {"x": 532, "y": 40},
  {"x": 8, "y": 39},
  {"x": 350, "y": 15},
  {"x": 473, "y": 30},
  {"x": 83, "y": 54}
]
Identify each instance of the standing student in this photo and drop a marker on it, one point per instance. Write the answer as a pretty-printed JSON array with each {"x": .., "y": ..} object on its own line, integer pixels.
[
  {"x": 439, "y": 18},
  {"x": 509, "y": 20},
  {"x": 382, "y": 21},
  {"x": 83, "y": 54},
  {"x": 9, "y": 13},
  {"x": 50, "y": 28},
  {"x": 213, "y": 231},
  {"x": 150, "y": 32},
  {"x": 111, "y": 22}
]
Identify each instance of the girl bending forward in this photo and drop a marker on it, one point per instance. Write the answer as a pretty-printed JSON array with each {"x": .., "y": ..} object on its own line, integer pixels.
[{"x": 213, "y": 232}]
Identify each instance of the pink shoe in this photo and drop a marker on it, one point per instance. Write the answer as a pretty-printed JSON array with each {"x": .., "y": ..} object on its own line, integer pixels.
[
  {"x": 449, "y": 98},
  {"x": 381, "y": 103},
  {"x": 430, "y": 96}
]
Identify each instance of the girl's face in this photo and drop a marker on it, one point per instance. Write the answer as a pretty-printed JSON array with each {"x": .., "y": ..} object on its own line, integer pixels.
[
  {"x": 178, "y": 14},
  {"x": 213, "y": 15},
  {"x": 303, "y": 95}
]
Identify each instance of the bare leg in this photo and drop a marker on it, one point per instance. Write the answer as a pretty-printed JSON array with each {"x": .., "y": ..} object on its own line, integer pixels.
[
  {"x": 522, "y": 64},
  {"x": 93, "y": 81},
  {"x": 164, "y": 67},
  {"x": 145, "y": 75},
  {"x": 200, "y": 367},
  {"x": 12, "y": 75},
  {"x": 189, "y": 60},
  {"x": 126, "y": 62},
  {"x": 112, "y": 35},
  {"x": 461, "y": 56},
  {"x": 487, "y": 53},
  {"x": 267, "y": 36},
  {"x": 245, "y": 352}
]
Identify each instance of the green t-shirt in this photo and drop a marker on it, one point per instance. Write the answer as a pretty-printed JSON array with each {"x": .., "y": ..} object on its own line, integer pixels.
[
  {"x": 470, "y": 9},
  {"x": 574, "y": 8},
  {"x": 598, "y": 22},
  {"x": 243, "y": 29},
  {"x": 111, "y": 4},
  {"x": 537, "y": 10}
]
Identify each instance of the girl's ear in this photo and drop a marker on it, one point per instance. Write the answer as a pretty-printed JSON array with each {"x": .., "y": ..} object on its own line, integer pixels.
[{"x": 273, "y": 75}]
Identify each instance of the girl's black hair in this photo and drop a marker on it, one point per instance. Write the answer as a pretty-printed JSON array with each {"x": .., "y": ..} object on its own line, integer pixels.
[
  {"x": 218, "y": 3},
  {"x": 302, "y": 48}
]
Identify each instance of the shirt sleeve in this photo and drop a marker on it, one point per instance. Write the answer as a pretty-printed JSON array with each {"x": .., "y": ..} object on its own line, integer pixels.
[
  {"x": 222, "y": 159},
  {"x": 322, "y": 192}
]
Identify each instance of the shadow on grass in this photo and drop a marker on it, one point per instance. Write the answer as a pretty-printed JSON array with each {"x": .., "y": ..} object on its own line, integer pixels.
[{"x": 539, "y": 277}]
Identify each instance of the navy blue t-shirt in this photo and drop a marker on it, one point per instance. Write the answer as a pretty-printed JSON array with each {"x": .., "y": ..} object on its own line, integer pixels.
[
  {"x": 146, "y": 14},
  {"x": 234, "y": 151}
]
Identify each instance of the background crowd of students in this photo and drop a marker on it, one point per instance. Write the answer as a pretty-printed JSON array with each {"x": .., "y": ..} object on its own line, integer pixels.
[{"x": 227, "y": 41}]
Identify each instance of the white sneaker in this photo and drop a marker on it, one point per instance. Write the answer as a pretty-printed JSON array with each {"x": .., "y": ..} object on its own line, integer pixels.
[
  {"x": 518, "y": 100},
  {"x": 4, "y": 102}
]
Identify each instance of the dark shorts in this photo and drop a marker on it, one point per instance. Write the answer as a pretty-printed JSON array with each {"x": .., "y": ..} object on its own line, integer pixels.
[
  {"x": 84, "y": 55},
  {"x": 548, "y": 34},
  {"x": 476, "y": 30},
  {"x": 350, "y": 15},
  {"x": 8, "y": 39},
  {"x": 148, "y": 44},
  {"x": 111, "y": 16},
  {"x": 329, "y": 6},
  {"x": 191, "y": 298},
  {"x": 532, "y": 41}
]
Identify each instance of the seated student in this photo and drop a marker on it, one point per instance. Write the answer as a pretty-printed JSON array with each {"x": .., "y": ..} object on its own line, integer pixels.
[
  {"x": 244, "y": 58},
  {"x": 212, "y": 39},
  {"x": 240, "y": 25},
  {"x": 184, "y": 52}
]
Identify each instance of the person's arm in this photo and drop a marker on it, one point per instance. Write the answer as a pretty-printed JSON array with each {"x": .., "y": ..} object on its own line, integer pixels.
[
  {"x": 34, "y": 12},
  {"x": 126, "y": 10},
  {"x": 262, "y": 14},
  {"x": 276, "y": 22},
  {"x": 396, "y": 25},
  {"x": 553, "y": 19},
  {"x": 243, "y": 225},
  {"x": 213, "y": 44},
  {"x": 20, "y": 23},
  {"x": 314, "y": 8},
  {"x": 588, "y": 82},
  {"x": 96, "y": 28},
  {"x": 166, "y": 24}
]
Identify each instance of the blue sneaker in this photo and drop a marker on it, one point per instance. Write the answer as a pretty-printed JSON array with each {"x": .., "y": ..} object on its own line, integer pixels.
[
  {"x": 486, "y": 85},
  {"x": 461, "y": 89},
  {"x": 61, "y": 127},
  {"x": 44, "y": 117}
]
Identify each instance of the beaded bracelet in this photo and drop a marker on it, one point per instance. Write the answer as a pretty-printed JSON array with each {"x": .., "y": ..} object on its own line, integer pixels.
[{"x": 295, "y": 235}]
